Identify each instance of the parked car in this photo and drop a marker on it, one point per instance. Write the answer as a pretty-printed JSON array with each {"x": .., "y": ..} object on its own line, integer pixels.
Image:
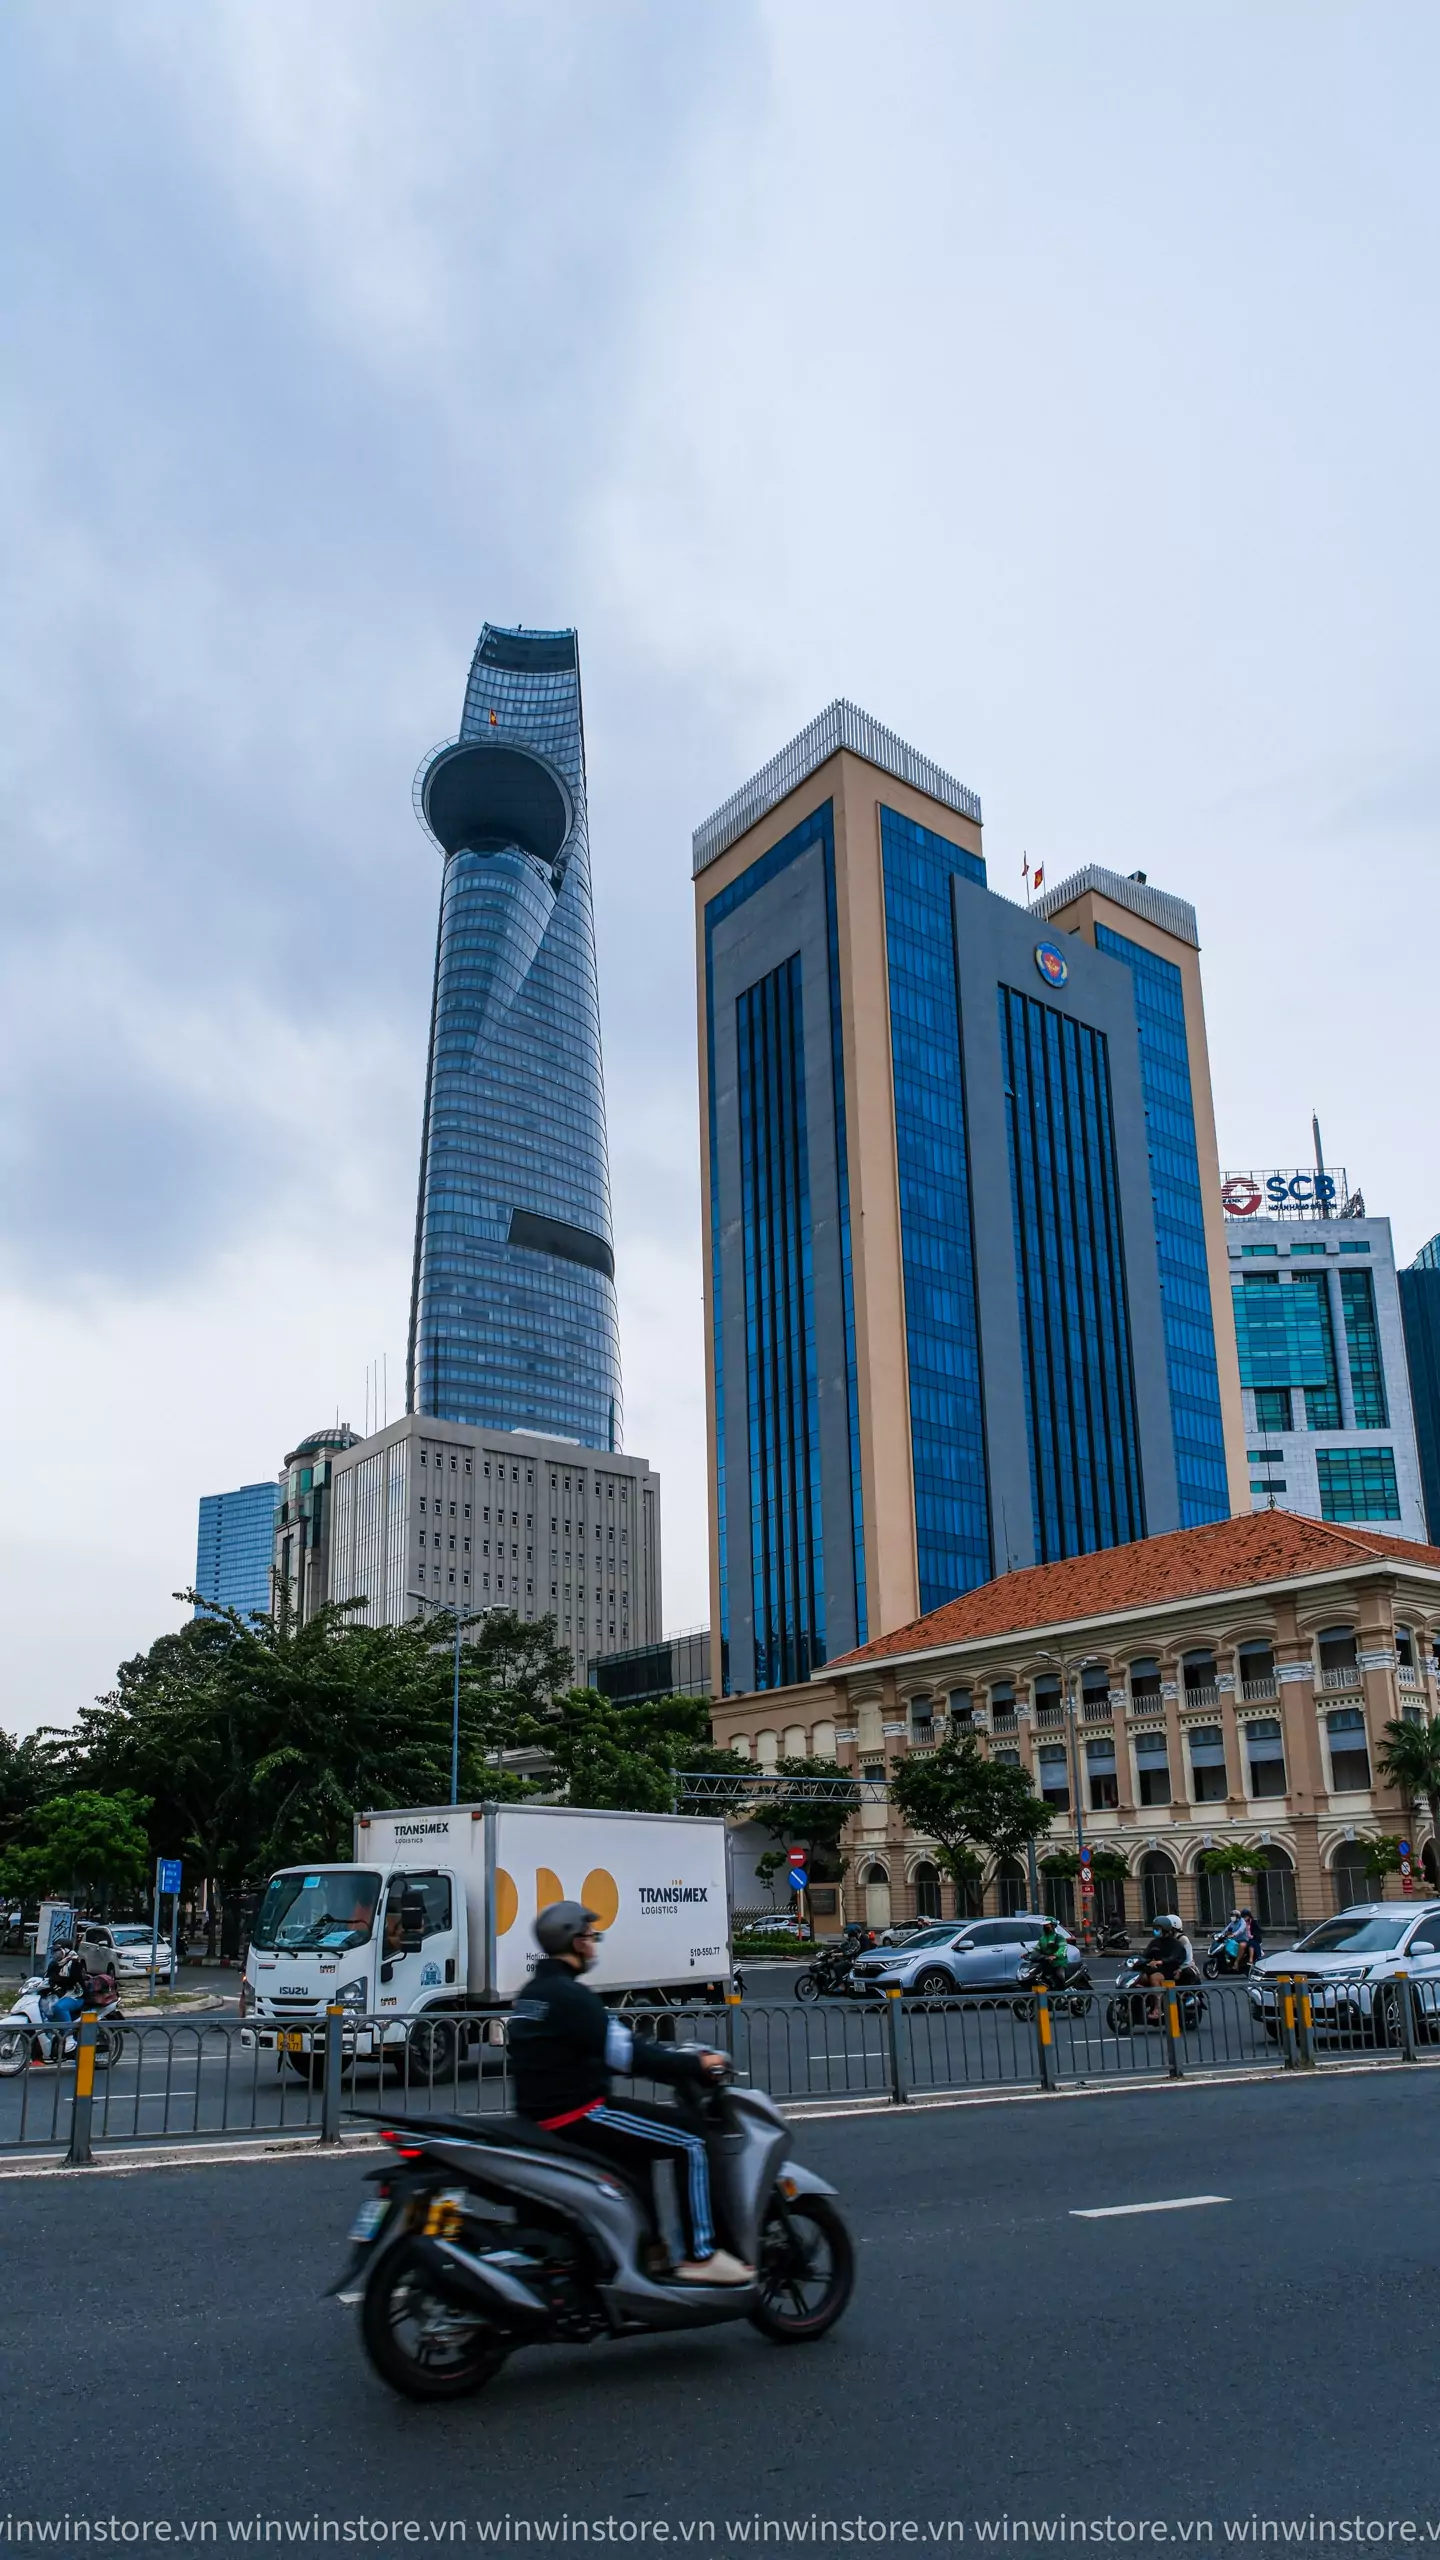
[
  {"x": 1348, "y": 1963},
  {"x": 975, "y": 1955},
  {"x": 121, "y": 1947}
]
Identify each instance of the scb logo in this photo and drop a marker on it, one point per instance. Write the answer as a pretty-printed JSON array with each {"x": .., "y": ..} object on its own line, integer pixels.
[{"x": 600, "y": 1893}]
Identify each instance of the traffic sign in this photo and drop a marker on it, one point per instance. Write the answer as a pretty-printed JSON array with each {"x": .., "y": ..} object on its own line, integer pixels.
[
  {"x": 170, "y": 1873},
  {"x": 799, "y": 1878}
]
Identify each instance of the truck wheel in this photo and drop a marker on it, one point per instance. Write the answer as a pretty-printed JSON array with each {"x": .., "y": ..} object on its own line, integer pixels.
[{"x": 434, "y": 2050}]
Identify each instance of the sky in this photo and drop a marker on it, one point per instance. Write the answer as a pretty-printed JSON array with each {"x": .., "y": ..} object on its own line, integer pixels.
[{"x": 1058, "y": 383}]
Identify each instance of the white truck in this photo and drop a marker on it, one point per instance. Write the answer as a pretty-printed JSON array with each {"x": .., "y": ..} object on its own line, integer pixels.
[{"x": 429, "y": 1928}]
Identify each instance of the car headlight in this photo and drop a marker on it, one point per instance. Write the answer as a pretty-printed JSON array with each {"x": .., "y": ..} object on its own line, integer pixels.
[{"x": 353, "y": 1994}]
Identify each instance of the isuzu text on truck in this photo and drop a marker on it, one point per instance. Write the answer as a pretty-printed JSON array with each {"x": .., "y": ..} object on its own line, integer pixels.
[{"x": 429, "y": 1926}]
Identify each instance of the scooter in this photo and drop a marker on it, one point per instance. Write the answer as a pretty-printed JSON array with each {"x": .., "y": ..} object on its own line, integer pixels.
[
  {"x": 486, "y": 2234},
  {"x": 1069, "y": 1986},
  {"x": 1228, "y": 1954},
  {"x": 832, "y": 1969},
  {"x": 28, "y": 2034},
  {"x": 1112, "y": 1939},
  {"x": 1138, "y": 2005}
]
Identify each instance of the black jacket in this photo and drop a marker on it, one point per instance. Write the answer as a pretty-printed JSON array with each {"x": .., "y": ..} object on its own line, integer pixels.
[{"x": 559, "y": 2030}]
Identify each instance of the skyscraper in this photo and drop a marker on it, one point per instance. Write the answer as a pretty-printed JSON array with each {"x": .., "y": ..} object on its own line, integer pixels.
[
  {"x": 512, "y": 1317},
  {"x": 233, "y": 1547},
  {"x": 1420, "y": 1309},
  {"x": 959, "y": 1193}
]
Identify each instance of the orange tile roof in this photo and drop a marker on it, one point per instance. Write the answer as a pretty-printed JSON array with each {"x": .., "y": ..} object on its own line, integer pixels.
[{"x": 1226, "y": 1555}]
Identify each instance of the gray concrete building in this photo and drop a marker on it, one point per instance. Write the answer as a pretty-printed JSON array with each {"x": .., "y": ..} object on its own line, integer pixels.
[{"x": 499, "y": 1520}]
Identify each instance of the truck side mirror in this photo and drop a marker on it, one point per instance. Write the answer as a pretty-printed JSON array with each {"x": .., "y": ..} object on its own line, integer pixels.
[{"x": 387, "y": 1972}]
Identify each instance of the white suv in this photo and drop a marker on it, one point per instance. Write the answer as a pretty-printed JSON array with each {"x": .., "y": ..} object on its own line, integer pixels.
[{"x": 1345, "y": 1961}]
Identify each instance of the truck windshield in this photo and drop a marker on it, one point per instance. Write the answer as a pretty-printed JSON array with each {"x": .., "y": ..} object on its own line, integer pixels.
[{"x": 328, "y": 1909}]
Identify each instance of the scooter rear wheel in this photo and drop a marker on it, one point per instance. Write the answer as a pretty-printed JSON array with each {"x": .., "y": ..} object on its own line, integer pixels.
[
  {"x": 423, "y": 2346},
  {"x": 807, "y": 2271},
  {"x": 807, "y": 1986}
]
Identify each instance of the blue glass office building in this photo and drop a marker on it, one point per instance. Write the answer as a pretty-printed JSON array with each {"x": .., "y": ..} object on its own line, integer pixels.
[
  {"x": 235, "y": 1545},
  {"x": 963, "y": 1219},
  {"x": 512, "y": 1322}
]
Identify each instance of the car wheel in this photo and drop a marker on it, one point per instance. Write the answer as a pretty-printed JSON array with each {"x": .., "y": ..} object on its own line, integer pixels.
[{"x": 934, "y": 1985}]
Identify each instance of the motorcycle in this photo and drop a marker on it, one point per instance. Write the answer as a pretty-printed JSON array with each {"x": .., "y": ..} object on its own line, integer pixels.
[
  {"x": 1138, "y": 2005},
  {"x": 831, "y": 1969},
  {"x": 1112, "y": 1938},
  {"x": 487, "y": 2234},
  {"x": 1228, "y": 1954},
  {"x": 1069, "y": 1986},
  {"x": 28, "y": 2034}
]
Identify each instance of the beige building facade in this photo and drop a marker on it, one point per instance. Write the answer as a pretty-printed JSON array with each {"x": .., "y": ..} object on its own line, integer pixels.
[{"x": 1224, "y": 1685}]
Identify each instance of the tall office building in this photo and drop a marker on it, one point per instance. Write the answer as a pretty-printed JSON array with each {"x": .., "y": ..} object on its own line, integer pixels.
[
  {"x": 512, "y": 1320},
  {"x": 960, "y": 1265},
  {"x": 1322, "y": 1344},
  {"x": 300, "y": 1578},
  {"x": 1420, "y": 1310},
  {"x": 233, "y": 1545}
]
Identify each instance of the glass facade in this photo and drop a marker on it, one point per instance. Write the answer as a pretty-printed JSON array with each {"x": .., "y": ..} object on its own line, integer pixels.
[
  {"x": 947, "y": 1416},
  {"x": 817, "y": 829},
  {"x": 1084, "y": 1439},
  {"x": 1286, "y": 1344},
  {"x": 1362, "y": 1347},
  {"x": 1358, "y": 1484},
  {"x": 786, "y": 1541},
  {"x": 1420, "y": 1314},
  {"x": 513, "y": 1320},
  {"x": 1179, "y": 1229},
  {"x": 235, "y": 1545}
]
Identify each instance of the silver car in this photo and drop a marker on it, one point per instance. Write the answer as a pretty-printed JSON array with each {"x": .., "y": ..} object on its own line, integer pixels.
[
  {"x": 950, "y": 1956},
  {"x": 1347, "y": 1960}
]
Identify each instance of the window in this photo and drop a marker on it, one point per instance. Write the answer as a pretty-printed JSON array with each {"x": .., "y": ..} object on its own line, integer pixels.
[
  {"x": 1273, "y": 1410},
  {"x": 1358, "y": 1484},
  {"x": 1259, "y": 1252},
  {"x": 433, "y": 1891},
  {"x": 1305, "y": 1248},
  {"x": 1152, "y": 1767},
  {"x": 1405, "y": 1648},
  {"x": 1207, "y": 1764},
  {"x": 1266, "y": 1457},
  {"x": 1267, "y": 1484},
  {"x": 1198, "y": 1672},
  {"x": 1144, "y": 1677},
  {"x": 1265, "y": 1753},
  {"x": 1054, "y": 1777},
  {"x": 1349, "y": 1750},
  {"x": 1338, "y": 1649},
  {"x": 1362, "y": 1343},
  {"x": 1354, "y": 1245},
  {"x": 1104, "y": 1784},
  {"x": 1159, "y": 1888}
]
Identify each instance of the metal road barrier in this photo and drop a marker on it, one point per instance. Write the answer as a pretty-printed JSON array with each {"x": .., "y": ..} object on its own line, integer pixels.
[{"x": 203, "y": 2080}]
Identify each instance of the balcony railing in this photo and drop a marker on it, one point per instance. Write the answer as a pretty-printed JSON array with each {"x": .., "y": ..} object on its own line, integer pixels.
[
  {"x": 1098, "y": 1710},
  {"x": 1252, "y": 1691},
  {"x": 1049, "y": 1715},
  {"x": 921, "y": 1735},
  {"x": 1410, "y": 1675},
  {"x": 1340, "y": 1675},
  {"x": 1146, "y": 1702},
  {"x": 1204, "y": 1697},
  {"x": 1003, "y": 1719}
]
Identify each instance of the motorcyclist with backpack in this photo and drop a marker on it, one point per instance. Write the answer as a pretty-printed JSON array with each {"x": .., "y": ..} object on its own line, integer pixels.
[
  {"x": 564, "y": 2045},
  {"x": 67, "y": 1979}
]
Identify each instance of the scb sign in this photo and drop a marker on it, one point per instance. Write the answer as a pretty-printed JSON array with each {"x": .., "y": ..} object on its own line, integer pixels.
[{"x": 1246, "y": 1194}]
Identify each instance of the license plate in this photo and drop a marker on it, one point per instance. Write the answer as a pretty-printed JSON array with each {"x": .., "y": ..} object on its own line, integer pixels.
[
  {"x": 369, "y": 2218},
  {"x": 291, "y": 2040}
]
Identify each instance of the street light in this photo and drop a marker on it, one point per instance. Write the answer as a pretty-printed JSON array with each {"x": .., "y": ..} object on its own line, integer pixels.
[
  {"x": 451, "y": 1608},
  {"x": 1063, "y": 1665}
]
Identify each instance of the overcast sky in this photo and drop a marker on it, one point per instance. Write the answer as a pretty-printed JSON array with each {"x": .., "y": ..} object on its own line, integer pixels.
[{"x": 1059, "y": 382}]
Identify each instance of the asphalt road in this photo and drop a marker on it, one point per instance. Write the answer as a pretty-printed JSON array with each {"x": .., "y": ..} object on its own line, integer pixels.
[{"x": 1269, "y": 2356}]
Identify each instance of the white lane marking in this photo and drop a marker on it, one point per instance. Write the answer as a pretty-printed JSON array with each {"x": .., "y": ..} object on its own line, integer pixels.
[{"x": 1167, "y": 2204}]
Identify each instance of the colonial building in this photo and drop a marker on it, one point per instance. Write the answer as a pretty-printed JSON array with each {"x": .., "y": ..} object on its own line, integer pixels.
[{"x": 1225, "y": 1683}]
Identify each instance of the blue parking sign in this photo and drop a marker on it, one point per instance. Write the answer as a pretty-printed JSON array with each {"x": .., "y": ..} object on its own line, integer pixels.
[
  {"x": 799, "y": 1877},
  {"x": 170, "y": 1872}
]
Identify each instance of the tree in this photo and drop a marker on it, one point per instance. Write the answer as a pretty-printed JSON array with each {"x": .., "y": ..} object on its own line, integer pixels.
[
  {"x": 1382, "y": 1856},
  {"x": 964, "y": 1802},
  {"x": 84, "y": 1845},
  {"x": 619, "y": 1758},
  {"x": 1410, "y": 1758},
  {"x": 1232, "y": 1858}
]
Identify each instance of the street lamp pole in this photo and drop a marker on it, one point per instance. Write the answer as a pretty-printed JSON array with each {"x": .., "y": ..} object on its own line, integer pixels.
[
  {"x": 450, "y": 1607},
  {"x": 1067, "y": 1693}
]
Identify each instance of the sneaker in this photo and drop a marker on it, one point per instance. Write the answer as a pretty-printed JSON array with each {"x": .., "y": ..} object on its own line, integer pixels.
[{"x": 718, "y": 2268}]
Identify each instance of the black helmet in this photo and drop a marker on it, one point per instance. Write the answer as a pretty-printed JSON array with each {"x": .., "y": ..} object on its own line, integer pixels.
[{"x": 560, "y": 1924}]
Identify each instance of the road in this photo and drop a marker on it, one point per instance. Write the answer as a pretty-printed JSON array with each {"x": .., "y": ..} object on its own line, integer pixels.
[{"x": 1272, "y": 2355}]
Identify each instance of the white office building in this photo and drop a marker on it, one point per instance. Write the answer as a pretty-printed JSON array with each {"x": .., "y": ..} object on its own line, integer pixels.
[
  {"x": 1329, "y": 1424},
  {"x": 499, "y": 1520}
]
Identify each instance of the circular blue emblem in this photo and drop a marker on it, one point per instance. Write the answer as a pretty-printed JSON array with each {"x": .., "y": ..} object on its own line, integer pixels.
[{"x": 1052, "y": 964}]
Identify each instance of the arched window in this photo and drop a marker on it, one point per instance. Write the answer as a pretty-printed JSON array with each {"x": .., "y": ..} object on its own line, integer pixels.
[
  {"x": 922, "y": 1720},
  {"x": 1010, "y": 1889},
  {"x": 1405, "y": 1648},
  {"x": 767, "y": 1748},
  {"x": 797, "y": 1742},
  {"x": 1145, "y": 1679},
  {"x": 1339, "y": 1657},
  {"x": 1275, "y": 1906},
  {"x": 1255, "y": 1669},
  {"x": 1350, "y": 1878},
  {"x": 741, "y": 1746},
  {"x": 927, "y": 1891},
  {"x": 822, "y": 1741},
  {"x": 1214, "y": 1899},
  {"x": 1200, "y": 1677},
  {"x": 876, "y": 1881},
  {"x": 1159, "y": 1885}
]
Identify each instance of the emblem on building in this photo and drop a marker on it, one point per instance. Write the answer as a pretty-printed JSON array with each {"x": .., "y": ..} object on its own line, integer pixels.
[{"x": 1052, "y": 964}]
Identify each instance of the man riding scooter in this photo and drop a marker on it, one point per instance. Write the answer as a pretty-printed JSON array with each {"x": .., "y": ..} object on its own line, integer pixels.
[
  {"x": 66, "y": 1982},
  {"x": 564, "y": 2044},
  {"x": 1168, "y": 1958}
]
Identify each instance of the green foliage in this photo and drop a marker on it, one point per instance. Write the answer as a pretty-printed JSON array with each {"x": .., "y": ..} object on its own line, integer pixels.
[
  {"x": 1382, "y": 1856},
  {"x": 1107, "y": 1862},
  {"x": 1061, "y": 1862},
  {"x": 82, "y": 1845},
  {"x": 1410, "y": 1759},
  {"x": 966, "y": 1803},
  {"x": 617, "y": 1758},
  {"x": 1232, "y": 1858}
]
